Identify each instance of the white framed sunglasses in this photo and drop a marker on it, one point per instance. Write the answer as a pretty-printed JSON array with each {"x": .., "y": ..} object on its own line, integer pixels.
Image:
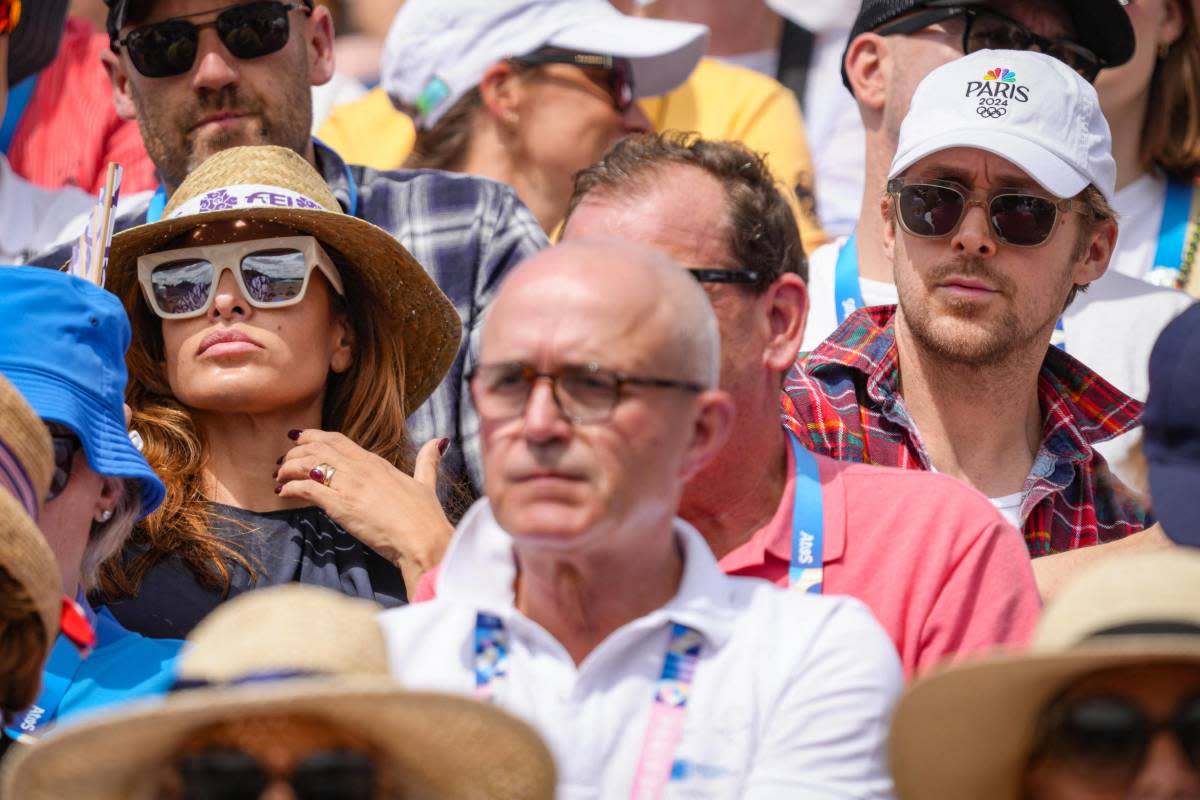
[{"x": 271, "y": 273}]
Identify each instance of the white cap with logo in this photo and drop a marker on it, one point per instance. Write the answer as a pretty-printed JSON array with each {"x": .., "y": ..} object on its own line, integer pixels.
[
  {"x": 1023, "y": 106},
  {"x": 438, "y": 50}
]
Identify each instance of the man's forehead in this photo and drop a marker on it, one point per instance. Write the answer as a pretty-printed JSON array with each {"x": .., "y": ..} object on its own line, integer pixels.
[{"x": 971, "y": 167}]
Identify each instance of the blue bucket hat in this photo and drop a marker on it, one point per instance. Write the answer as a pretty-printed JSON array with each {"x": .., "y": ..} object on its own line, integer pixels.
[{"x": 62, "y": 344}]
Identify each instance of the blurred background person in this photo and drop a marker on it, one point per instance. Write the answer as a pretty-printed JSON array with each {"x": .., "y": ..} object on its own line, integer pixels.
[
  {"x": 526, "y": 92},
  {"x": 285, "y": 693},
  {"x": 1153, "y": 107},
  {"x": 62, "y": 344}
]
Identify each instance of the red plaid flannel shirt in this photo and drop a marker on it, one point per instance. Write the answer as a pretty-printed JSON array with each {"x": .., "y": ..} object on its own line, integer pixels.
[{"x": 841, "y": 400}]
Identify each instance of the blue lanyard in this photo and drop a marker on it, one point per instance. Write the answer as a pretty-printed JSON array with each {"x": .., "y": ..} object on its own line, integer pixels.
[
  {"x": 159, "y": 201},
  {"x": 846, "y": 287},
  {"x": 1172, "y": 234},
  {"x": 18, "y": 100},
  {"x": 806, "y": 570}
]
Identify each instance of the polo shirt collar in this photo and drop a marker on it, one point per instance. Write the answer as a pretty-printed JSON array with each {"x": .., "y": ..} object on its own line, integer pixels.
[{"x": 479, "y": 570}]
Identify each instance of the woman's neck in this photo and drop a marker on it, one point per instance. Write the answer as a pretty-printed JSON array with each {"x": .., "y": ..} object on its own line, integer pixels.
[
  {"x": 1126, "y": 124},
  {"x": 242, "y": 452}
]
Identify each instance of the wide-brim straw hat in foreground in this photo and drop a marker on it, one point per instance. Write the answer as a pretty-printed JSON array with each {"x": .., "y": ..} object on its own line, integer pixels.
[
  {"x": 968, "y": 731},
  {"x": 26, "y": 466},
  {"x": 274, "y": 184},
  {"x": 437, "y": 745}
]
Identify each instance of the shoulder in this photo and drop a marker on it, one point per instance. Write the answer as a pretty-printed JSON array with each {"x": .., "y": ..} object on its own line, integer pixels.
[{"x": 737, "y": 83}]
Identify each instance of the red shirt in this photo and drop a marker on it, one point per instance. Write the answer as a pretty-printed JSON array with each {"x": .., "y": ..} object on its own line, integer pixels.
[{"x": 70, "y": 129}]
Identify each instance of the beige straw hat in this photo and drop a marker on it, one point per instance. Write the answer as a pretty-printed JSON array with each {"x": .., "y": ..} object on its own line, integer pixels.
[
  {"x": 967, "y": 731},
  {"x": 26, "y": 465},
  {"x": 295, "y": 650},
  {"x": 274, "y": 184}
]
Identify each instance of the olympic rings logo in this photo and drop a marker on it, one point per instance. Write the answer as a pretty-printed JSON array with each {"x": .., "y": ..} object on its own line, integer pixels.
[{"x": 991, "y": 112}]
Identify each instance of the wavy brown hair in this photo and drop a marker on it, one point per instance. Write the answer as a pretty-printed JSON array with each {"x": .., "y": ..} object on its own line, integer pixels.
[
  {"x": 365, "y": 403},
  {"x": 23, "y": 645},
  {"x": 1171, "y": 130}
]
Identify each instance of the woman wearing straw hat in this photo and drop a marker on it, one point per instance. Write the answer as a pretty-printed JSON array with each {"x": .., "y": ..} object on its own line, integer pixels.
[
  {"x": 279, "y": 344},
  {"x": 289, "y": 686}
]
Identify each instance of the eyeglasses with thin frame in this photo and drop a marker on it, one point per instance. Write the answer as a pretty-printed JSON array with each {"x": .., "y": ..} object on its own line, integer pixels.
[
  {"x": 168, "y": 48},
  {"x": 232, "y": 774},
  {"x": 990, "y": 30},
  {"x": 66, "y": 445},
  {"x": 1104, "y": 739},
  {"x": 584, "y": 393},
  {"x": 620, "y": 75},
  {"x": 933, "y": 209},
  {"x": 271, "y": 273}
]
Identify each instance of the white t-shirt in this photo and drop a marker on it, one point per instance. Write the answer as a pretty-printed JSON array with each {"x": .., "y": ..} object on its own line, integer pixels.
[
  {"x": 790, "y": 698},
  {"x": 1111, "y": 328},
  {"x": 1009, "y": 507},
  {"x": 1140, "y": 209}
]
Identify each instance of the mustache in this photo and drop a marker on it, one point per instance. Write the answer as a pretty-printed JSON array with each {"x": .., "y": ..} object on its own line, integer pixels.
[
  {"x": 217, "y": 101},
  {"x": 970, "y": 267}
]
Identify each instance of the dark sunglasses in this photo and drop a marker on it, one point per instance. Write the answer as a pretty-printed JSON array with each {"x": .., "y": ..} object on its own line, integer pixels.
[
  {"x": 933, "y": 209},
  {"x": 620, "y": 75},
  {"x": 228, "y": 774},
  {"x": 747, "y": 277},
  {"x": 66, "y": 445},
  {"x": 1105, "y": 739},
  {"x": 248, "y": 31},
  {"x": 990, "y": 30}
]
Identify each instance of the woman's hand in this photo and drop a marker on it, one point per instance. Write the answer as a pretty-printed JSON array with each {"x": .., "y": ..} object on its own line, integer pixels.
[{"x": 395, "y": 515}]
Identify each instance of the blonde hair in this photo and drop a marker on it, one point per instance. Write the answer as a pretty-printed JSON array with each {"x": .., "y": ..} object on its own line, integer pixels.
[{"x": 1171, "y": 130}]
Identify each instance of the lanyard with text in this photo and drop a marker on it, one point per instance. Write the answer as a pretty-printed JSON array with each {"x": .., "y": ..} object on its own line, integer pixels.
[
  {"x": 847, "y": 290},
  {"x": 656, "y": 765},
  {"x": 806, "y": 570},
  {"x": 1176, "y": 250}
]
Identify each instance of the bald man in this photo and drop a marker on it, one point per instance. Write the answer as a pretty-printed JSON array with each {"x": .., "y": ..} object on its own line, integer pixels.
[{"x": 574, "y": 597}]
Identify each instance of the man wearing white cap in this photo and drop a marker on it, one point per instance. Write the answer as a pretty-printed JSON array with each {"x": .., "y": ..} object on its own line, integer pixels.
[
  {"x": 529, "y": 92},
  {"x": 997, "y": 214}
]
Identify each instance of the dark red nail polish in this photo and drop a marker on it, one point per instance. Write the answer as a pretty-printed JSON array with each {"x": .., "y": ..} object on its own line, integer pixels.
[
  {"x": 442, "y": 445},
  {"x": 294, "y": 435},
  {"x": 280, "y": 461},
  {"x": 278, "y": 488},
  {"x": 275, "y": 474}
]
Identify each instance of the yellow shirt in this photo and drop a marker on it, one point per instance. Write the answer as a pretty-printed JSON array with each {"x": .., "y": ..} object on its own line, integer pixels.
[{"x": 719, "y": 101}]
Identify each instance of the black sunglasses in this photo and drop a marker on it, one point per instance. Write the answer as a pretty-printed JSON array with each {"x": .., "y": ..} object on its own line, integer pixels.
[
  {"x": 932, "y": 209},
  {"x": 66, "y": 445},
  {"x": 990, "y": 30},
  {"x": 620, "y": 75},
  {"x": 168, "y": 48},
  {"x": 743, "y": 276},
  {"x": 230, "y": 774},
  {"x": 1104, "y": 739}
]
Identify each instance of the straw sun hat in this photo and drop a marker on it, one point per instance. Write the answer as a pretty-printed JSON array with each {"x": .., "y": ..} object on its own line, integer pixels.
[
  {"x": 26, "y": 465},
  {"x": 439, "y": 745},
  {"x": 274, "y": 184},
  {"x": 967, "y": 731}
]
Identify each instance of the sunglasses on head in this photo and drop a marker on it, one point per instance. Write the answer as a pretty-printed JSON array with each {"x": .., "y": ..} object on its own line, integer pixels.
[
  {"x": 66, "y": 445},
  {"x": 274, "y": 273},
  {"x": 933, "y": 209},
  {"x": 228, "y": 774},
  {"x": 991, "y": 30},
  {"x": 167, "y": 48},
  {"x": 1105, "y": 739},
  {"x": 620, "y": 75}
]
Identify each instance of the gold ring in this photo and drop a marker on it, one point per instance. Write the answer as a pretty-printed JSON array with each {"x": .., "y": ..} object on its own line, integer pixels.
[{"x": 322, "y": 473}]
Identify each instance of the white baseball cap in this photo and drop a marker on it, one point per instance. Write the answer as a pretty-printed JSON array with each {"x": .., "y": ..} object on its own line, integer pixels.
[
  {"x": 1026, "y": 107},
  {"x": 438, "y": 50}
]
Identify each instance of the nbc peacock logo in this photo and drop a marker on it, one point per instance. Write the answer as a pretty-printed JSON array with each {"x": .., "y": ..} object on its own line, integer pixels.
[{"x": 1000, "y": 74}]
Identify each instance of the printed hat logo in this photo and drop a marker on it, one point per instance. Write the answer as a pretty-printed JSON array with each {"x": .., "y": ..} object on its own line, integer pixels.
[{"x": 1000, "y": 74}]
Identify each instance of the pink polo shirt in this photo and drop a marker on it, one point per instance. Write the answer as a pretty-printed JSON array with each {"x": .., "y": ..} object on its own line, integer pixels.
[{"x": 943, "y": 573}]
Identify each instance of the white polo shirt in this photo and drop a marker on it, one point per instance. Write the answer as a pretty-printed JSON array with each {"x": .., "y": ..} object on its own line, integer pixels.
[{"x": 791, "y": 696}]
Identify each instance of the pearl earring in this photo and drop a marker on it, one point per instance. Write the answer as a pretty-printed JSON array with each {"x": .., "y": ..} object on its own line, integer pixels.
[{"x": 104, "y": 516}]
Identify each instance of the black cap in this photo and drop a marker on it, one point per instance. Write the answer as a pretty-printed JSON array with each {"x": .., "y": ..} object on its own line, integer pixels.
[
  {"x": 1171, "y": 421},
  {"x": 33, "y": 44},
  {"x": 1102, "y": 26}
]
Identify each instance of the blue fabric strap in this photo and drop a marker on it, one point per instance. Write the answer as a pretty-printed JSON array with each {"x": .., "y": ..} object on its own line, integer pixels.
[
  {"x": 1174, "y": 225},
  {"x": 18, "y": 100},
  {"x": 846, "y": 287},
  {"x": 806, "y": 571}
]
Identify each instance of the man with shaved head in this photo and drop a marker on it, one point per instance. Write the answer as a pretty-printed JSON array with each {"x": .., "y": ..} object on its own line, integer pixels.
[{"x": 572, "y": 594}]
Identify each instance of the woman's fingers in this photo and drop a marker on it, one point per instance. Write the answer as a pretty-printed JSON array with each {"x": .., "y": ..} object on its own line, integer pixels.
[{"x": 425, "y": 470}]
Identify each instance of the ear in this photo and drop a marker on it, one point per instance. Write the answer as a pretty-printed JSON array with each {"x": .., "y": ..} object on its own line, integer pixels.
[
  {"x": 1170, "y": 27},
  {"x": 111, "y": 491},
  {"x": 1097, "y": 255},
  {"x": 500, "y": 92},
  {"x": 786, "y": 306},
  {"x": 118, "y": 75},
  {"x": 320, "y": 45},
  {"x": 714, "y": 422},
  {"x": 868, "y": 67},
  {"x": 342, "y": 356},
  {"x": 889, "y": 227}
]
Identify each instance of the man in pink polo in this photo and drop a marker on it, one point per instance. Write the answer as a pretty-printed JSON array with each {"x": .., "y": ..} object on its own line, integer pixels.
[{"x": 932, "y": 558}]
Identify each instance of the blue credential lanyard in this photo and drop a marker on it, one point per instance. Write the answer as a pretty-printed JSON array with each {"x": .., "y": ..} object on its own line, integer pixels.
[
  {"x": 846, "y": 288},
  {"x": 159, "y": 201},
  {"x": 18, "y": 100},
  {"x": 1168, "y": 257},
  {"x": 806, "y": 570}
]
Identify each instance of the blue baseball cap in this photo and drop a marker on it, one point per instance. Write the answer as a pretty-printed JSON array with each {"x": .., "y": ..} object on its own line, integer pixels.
[
  {"x": 1172, "y": 427},
  {"x": 62, "y": 344}
]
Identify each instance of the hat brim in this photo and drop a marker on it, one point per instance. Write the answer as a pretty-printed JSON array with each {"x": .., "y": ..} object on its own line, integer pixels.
[
  {"x": 416, "y": 311},
  {"x": 101, "y": 430},
  {"x": 26, "y": 556},
  {"x": 1052, "y": 173},
  {"x": 1175, "y": 492},
  {"x": 447, "y": 746},
  {"x": 967, "y": 731},
  {"x": 662, "y": 53}
]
